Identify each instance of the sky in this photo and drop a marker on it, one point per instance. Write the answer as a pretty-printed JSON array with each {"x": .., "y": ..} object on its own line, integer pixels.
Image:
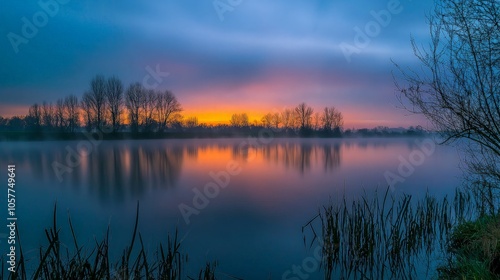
[{"x": 218, "y": 57}]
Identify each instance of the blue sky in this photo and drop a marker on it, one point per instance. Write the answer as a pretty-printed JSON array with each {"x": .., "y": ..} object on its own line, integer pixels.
[{"x": 250, "y": 55}]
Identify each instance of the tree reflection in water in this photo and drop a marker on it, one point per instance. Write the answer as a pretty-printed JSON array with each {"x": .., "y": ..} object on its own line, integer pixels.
[{"x": 117, "y": 170}]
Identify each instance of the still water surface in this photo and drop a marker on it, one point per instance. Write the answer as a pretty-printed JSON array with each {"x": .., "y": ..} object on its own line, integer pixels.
[{"x": 252, "y": 227}]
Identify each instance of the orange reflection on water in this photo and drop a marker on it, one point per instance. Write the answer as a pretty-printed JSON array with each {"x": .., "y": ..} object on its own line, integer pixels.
[{"x": 269, "y": 168}]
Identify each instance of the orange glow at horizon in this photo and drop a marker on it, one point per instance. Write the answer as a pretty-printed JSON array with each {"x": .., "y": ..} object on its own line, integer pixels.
[
  {"x": 9, "y": 111},
  {"x": 221, "y": 116},
  {"x": 353, "y": 118},
  {"x": 216, "y": 113}
]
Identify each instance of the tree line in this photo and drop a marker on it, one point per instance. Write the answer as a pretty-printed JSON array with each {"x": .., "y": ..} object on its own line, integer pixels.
[
  {"x": 301, "y": 119},
  {"x": 108, "y": 105}
]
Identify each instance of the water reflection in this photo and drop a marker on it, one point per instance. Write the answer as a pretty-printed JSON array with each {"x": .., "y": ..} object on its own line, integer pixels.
[
  {"x": 113, "y": 170},
  {"x": 332, "y": 157},
  {"x": 301, "y": 156},
  {"x": 119, "y": 171},
  {"x": 281, "y": 186},
  {"x": 116, "y": 170}
]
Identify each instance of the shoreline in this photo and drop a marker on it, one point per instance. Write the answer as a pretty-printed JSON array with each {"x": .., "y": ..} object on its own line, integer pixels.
[{"x": 14, "y": 136}]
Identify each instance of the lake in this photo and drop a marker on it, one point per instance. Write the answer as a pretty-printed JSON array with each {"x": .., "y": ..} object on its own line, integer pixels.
[{"x": 243, "y": 201}]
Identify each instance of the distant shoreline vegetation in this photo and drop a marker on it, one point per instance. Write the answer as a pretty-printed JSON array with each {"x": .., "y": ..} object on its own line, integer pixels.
[
  {"x": 136, "y": 112},
  {"x": 204, "y": 132}
]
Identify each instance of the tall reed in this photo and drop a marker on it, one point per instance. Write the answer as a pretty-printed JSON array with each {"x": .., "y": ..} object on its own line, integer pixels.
[
  {"x": 81, "y": 263},
  {"x": 384, "y": 237}
]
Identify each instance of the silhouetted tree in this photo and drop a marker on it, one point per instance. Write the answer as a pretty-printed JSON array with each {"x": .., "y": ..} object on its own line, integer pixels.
[
  {"x": 458, "y": 91},
  {"x": 48, "y": 115},
  {"x": 331, "y": 119},
  {"x": 177, "y": 122},
  {"x": 168, "y": 109},
  {"x": 267, "y": 120},
  {"x": 34, "y": 118},
  {"x": 287, "y": 118},
  {"x": 3, "y": 123},
  {"x": 71, "y": 112},
  {"x": 134, "y": 99},
  {"x": 316, "y": 121},
  {"x": 191, "y": 122},
  {"x": 88, "y": 111},
  {"x": 98, "y": 99},
  {"x": 304, "y": 114},
  {"x": 276, "y": 120},
  {"x": 271, "y": 120},
  {"x": 59, "y": 120},
  {"x": 114, "y": 96},
  {"x": 239, "y": 120},
  {"x": 16, "y": 124},
  {"x": 149, "y": 105}
]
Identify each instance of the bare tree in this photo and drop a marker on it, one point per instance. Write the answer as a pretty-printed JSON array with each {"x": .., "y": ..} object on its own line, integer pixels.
[
  {"x": 48, "y": 115},
  {"x": 316, "y": 121},
  {"x": 331, "y": 119},
  {"x": 276, "y": 120},
  {"x": 168, "y": 109},
  {"x": 458, "y": 90},
  {"x": 239, "y": 120},
  {"x": 287, "y": 119},
  {"x": 244, "y": 120},
  {"x": 98, "y": 99},
  {"x": 59, "y": 120},
  {"x": 88, "y": 111},
  {"x": 133, "y": 100},
  {"x": 234, "y": 121},
  {"x": 304, "y": 114},
  {"x": 35, "y": 117},
  {"x": 71, "y": 112},
  {"x": 149, "y": 107},
  {"x": 267, "y": 120},
  {"x": 114, "y": 96},
  {"x": 191, "y": 122}
]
